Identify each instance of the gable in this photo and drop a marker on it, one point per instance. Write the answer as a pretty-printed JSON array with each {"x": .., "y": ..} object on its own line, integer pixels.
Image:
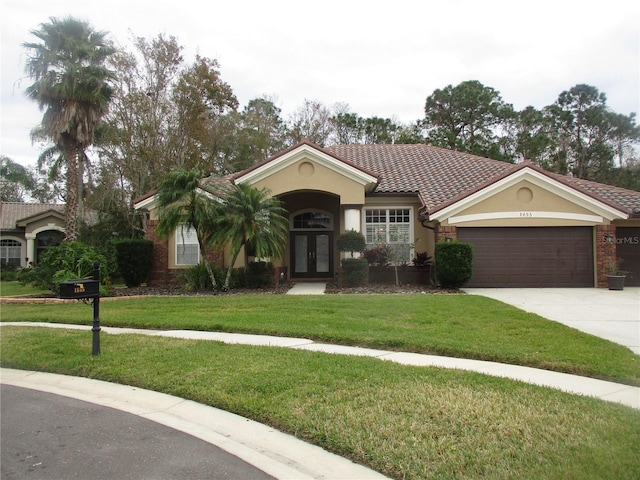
[
  {"x": 527, "y": 197},
  {"x": 307, "y": 167}
]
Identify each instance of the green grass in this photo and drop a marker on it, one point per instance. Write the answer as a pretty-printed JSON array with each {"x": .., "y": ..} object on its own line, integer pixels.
[
  {"x": 466, "y": 326},
  {"x": 406, "y": 422},
  {"x": 12, "y": 289}
]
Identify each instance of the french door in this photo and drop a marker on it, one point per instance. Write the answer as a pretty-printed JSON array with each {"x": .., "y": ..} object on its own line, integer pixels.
[{"x": 311, "y": 255}]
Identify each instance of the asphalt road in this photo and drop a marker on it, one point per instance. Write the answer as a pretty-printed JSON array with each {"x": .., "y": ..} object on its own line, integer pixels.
[{"x": 47, "y": 436}]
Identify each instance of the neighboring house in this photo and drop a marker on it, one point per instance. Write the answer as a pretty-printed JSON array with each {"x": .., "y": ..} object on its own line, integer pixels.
[
  {"x": 28, "y": 229},
  {"x": 529, "y": 227}
]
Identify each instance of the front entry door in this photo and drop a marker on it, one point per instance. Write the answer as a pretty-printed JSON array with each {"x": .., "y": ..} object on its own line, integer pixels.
[{"x": 311, "y": 255}]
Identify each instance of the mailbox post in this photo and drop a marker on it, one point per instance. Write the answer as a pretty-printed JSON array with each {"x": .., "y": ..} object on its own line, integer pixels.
[{"x": 80, "y": 289}]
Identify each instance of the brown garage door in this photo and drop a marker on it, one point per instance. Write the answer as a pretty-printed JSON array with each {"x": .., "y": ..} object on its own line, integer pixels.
[
  {"x": 531, "y": 257},
  {"x": 628, "y": 249}
]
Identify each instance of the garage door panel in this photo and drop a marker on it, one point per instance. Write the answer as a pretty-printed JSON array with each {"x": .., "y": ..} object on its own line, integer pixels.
[{"x": 531, "y": 257}]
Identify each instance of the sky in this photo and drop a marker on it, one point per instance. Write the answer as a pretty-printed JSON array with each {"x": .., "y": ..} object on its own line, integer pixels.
[{"x": 382, "y": 58}]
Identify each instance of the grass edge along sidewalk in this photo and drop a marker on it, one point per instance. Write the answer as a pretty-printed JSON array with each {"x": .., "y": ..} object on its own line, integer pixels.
[
  {"x": 462, "y": 326},
  {"x": 405, "y": 422}
]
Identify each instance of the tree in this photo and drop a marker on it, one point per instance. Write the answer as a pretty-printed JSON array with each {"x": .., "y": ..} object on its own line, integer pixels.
[
  {"x": 589, "y": 136},
  {"x": 349, "y": 129},
  {"x": 165, "y": 114},
  {"x": 258, "y": 132},
  {"x": 532, "y": 136},
  {"x": 15, "y": 180},
  {"x": 467, "y": 118},
  {"x": 201, "y": 98},
  {"x": 182, "y": 200},
  {"x": 72, "y": 86},
  {"x": 313, "y": 122},
  {"x": 135, "y": 148},
  {"x": 251, "y": 219}
]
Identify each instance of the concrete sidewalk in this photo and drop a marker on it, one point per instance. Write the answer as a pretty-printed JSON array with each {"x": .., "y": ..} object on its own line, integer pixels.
[
  {"x": 307, "y": 288},
  {"x": 608, "y": 391}
]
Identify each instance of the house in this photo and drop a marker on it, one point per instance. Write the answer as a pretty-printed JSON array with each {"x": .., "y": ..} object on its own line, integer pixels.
[
  {"x": 28, "y": 229},
  {"x": 529, "y": 227}
]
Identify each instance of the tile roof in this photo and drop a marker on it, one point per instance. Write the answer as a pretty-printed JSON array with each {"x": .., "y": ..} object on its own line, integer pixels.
[
  {"x": 11, "y": 212},
  {"x": 440, "y": 176},
  {"x": 436, "y": 174}
]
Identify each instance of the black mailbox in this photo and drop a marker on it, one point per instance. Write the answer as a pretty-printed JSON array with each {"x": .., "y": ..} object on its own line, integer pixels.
[{"x": 80, "y": 288}]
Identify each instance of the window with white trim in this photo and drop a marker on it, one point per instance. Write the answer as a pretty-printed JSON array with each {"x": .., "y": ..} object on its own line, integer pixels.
[
  {"x": 390, "y": 226},
  {"x": 187, "y": 248},
  {"x": 10, "y": 252}
]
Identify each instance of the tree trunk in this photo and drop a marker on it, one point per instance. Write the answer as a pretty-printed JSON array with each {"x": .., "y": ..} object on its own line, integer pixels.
[
  {"x": 207, "y": 265},
  {"x": 71, "y": 215},
  {"x": 227, "y": 280}
]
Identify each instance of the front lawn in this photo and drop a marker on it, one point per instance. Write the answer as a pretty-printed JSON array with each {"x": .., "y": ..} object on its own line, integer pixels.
[
  {"x": 12, "y": 289},
  {"x": 455, "y": 325},
  {"x": 406, "y": 422}
]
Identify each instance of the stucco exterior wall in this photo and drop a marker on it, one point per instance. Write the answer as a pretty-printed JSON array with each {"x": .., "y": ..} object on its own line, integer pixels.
[
  {"x": 525, "y": 205},
  {"x": 306, "y": 174}
]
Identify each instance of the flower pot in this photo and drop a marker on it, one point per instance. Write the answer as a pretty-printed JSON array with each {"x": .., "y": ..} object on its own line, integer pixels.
[{"x": 616, "y": 282}]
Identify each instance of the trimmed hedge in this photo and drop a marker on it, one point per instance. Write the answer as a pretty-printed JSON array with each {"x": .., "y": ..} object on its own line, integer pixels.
[
  {"x": 356, "y": 271},
  {"x": 135, "y": 259},
  {"x": 454, "y": 263}
]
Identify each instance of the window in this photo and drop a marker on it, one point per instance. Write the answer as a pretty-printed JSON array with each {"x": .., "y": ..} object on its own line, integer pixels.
[
  {"x": 46, "y": 240},
  {"x": 312, "y": 220},
  {"x": 187, "y": 248},
  {"x": 10, "y": 252},
  {"x": 391, "y": 226}
]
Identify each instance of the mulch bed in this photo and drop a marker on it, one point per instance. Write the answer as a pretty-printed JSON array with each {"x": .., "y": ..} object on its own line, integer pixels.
[{"x": 332, "y": 288}]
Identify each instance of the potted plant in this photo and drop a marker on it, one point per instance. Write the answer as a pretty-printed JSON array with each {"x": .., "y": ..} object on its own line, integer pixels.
[{"x": 615, "y": 275}]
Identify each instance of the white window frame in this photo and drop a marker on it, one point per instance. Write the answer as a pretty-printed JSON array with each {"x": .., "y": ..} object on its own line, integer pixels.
[
  {"x": 5, "y": 249},
  {"x": 377, "y": 233},
  {"x": 186, "y": 237}
]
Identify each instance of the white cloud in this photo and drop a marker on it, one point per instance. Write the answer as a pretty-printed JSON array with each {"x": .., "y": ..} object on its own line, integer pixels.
[{"x": 382, "y": 58}]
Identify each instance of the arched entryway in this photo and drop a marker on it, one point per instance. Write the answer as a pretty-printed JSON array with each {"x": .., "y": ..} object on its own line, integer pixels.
[{"x": 311, "y": 244}]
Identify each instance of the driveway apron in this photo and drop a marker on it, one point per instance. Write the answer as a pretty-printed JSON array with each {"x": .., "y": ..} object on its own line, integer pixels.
[{"x": 610, "y": 314}]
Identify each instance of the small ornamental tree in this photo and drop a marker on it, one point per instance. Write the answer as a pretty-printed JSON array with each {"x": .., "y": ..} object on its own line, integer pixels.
[
  {"x": 454, "y": 263},
  {"x": 355, "y": 269},
  {"x": 352, "y": 241}
]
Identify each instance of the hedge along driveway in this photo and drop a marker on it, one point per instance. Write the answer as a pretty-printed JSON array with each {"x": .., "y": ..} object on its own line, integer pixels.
[{"x": 453, "y": 325}]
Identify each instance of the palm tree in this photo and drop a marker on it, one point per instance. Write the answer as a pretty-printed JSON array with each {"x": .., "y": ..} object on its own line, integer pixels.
[
  {"x": 72, "y": 87},
  {"x": 250, "y": 217},
  {"x": 183, "y": 201}
]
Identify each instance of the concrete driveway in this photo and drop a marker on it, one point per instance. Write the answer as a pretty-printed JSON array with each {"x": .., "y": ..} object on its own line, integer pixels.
[{"x": 613, "y": 315}]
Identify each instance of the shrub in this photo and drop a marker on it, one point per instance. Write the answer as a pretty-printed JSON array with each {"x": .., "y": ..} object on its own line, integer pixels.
[
  {"x": 351, "y": 241},
  {"x": 258, "y": 274},
  {"x": 8, "y": 272},
  {"x": 454, "y": 263},
  {"x": 135, "y": 259},
  {"x": 379, "y": 256},
  {"x": 67, "y": 261},
  {"x": 196, "y": 278},
  {"x": 356, "y": 271},
  {"x": 422, "y": 259}
]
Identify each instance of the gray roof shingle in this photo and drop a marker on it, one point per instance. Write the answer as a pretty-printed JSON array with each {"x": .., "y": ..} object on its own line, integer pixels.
[{"x": 10, "y": 212}]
